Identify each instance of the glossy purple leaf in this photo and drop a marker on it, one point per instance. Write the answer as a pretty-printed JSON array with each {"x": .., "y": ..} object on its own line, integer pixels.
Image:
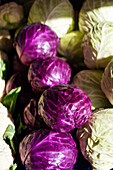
[
  {"x": 64, "y": 107},
  {"x": 46, "y": 72},
  {"x": 35, "y": 41},
  {"x": 47, "y": 149}
]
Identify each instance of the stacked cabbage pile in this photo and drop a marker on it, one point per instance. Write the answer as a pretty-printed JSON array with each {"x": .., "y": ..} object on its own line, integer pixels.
[
  {"x": 95, "y": 137},
  {"x": 56, "y": 74}
]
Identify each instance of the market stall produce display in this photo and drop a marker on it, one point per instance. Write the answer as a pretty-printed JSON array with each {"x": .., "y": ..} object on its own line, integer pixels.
[{"x": 56, "y": 87}]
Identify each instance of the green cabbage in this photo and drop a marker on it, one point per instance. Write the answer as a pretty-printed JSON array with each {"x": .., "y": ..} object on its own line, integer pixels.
[
  {"x": 90, "y": 82},
  {"x": 97, "y": 46},
  {"x": 93, "y": 12},
  {"x": 96, "y": 139},
  {"x": 57, "y": 14},
  {"x": 107, "y": 81},
  {"x": 70, "y": 47},
  {"x": 11, "y": 15}
]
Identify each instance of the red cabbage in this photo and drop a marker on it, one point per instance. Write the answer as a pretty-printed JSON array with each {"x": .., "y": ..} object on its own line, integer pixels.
[
  {"x": 31, "y": 116},
  {"x": 26, "y": 93},
  {"x": 64, "y": 107},
  {"x": 35, "y": 41},
  {"x": 17, "y": 65},
  {"x": 47, "y": 149},
  {"x": 46, "y": 72}
]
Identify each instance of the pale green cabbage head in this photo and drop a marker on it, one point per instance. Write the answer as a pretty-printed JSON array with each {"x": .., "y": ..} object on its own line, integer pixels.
[
  {"x": 90, "y": 82},
  {"x": 97, "y": 46},
  {"x": 70, "y": 47},
  {"x": 96, "y": 139},
  {"x": 11, "y": 15},
  {"x": 57, "y": 14},
  {"x": 107, "y": 81},
  {"x": 93, "y": 12}
]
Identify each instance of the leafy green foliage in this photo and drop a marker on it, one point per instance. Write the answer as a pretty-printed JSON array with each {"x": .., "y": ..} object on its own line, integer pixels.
[
  {"x": 20, "y": 124},
  {"x": 8, "y": 137},
  {"x": 10, "y": 99},
  {"x": 13, "y": 167},
  {"x": 58, "y": 15},
  {"x": 2, "y": 69}
]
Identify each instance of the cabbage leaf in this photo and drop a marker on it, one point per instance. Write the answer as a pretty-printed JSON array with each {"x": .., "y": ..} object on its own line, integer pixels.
[
  {"x": 97, "y": 45},
  {"x": 57, "y": 14},
  {"x": 93, "y": 12},
  {"x": 90, "y": 82},
  {"x": 107, "y": 81}
]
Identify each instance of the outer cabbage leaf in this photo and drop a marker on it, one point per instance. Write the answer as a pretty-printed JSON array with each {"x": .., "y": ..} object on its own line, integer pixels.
[
  {"x": 8, "y": 137},
  {"x": 96, "y": 139},
  {"x": 35, "y": 41},
  {"x": 70, "y": 48},
  {"x": 47, "y": 149},
  {"x": 97, "y": 45},
  {"x": 64, "y": 107},
  {"x": 93, "y": 12},
  {"x": 4, "y": 68},
  {"x": 9, "y": 133},
  {"x": 107, "y": 81},
  {"x": 11, "y": 15},
  {"x": 49, "y": 71},
  {"x": 90, "y": 82},
  {"x": 4, "y": 64},
  {"x": 13, "y": 167},
  {"x": 21, "y": 128},
  {"x": 57, "y": 14},
  {"x": 10, "y": 99}
]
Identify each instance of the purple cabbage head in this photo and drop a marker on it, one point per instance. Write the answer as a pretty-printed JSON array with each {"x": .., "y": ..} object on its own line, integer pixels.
[
  {"x": 46, "y": 72},
  {"x": 35, "y": 41},
  {"x": 47, "y": 149},
  {"x": 26, "y": 93},
  {"x": 64, "y": 107},
  {"x": 31, "y": 116}
]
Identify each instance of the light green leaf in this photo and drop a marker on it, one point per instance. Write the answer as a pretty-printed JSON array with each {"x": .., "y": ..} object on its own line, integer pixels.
[
  {"x": 13, "y": 167},
  {"x": 10, "y": 99},
  {"x": 96, "y": 139},
  {"x": 97, "y": 45},
  {"x": 8, "y": 137},
  {"x": 2, "y": 69},
  {"x": 57, "y": 14},
  {"x": 90, "y": 82},
  {"x": 21, "y": 126},
  {"x": 70, "y": 48},
  {"x": 9, "y": 133},
  {"x": 93, "y": 12}
]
